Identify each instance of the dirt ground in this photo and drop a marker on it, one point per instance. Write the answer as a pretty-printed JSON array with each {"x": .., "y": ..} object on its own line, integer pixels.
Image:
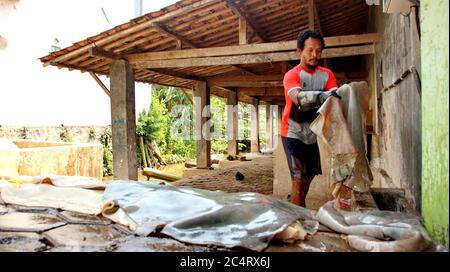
[{"x": 258, "y": 178}]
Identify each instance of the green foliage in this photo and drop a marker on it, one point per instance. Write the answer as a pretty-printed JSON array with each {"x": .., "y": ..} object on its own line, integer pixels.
[
  {"x": 106, "y": 141},
  {"x": 154, "y": 123}
]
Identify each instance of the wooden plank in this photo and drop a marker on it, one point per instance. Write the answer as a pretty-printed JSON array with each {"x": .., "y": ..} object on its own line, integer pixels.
[
  {"x": 253, "y": 59},
  {"x": 137, "y": 27},
  {"x": 100, "y": 83},
  {"x": 250, "y": 48}
]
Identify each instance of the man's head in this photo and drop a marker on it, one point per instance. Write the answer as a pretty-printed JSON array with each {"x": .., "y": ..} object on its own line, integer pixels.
[{"x": 309, "y": 48}]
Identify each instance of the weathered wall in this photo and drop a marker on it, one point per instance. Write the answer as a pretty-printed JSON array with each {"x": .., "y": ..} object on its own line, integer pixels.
[
  {"x": 81, "y": 134},
  {"x": 396, "y": 146},
  {"x": 68, "y": 160},
  {"x": 435, "y": 127}
]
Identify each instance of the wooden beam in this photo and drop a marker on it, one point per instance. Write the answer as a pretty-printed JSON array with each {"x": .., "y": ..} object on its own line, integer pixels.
[
  {"x": 100, "y": 83},
  {"x": 316, "y": 15},
  {"x": 100, "y": 52},
  {"x": 187, "y": 95},
  {"x": 242, "y": 30},
  {"x": 249, "y": 23},
  {"x": 258, "y": 78},
  {"x": 311, "y": 14},
  {"x": 168, "y": 72},
  {"x": 183, "y": 40},
  {"x": 255, "y": 84},
  {"x": 253, "y": 59},
  {"x": 133, "y": 29},
  {"x": 262, "y": 91},
  {"x": 250, "y": 48}
]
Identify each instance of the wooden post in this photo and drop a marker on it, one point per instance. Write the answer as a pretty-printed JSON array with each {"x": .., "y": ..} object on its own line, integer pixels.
[
  {"x": 269, "y": 126},
  {"x": 123, "y": 121},
  {"x": 279, "y": 117},
  {"x": 255, "y": 126},
  {"x": 202, "y": 124},
  {"x": 232, "y": 124}
]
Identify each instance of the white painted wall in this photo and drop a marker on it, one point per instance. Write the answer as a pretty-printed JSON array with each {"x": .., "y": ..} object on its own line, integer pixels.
[{"x": 33, "y": 95}]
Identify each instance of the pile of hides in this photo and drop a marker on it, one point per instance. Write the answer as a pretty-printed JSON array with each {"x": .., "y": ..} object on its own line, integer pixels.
[
  {"x": 196, "y": 216},
  {"x": 375, "y": 230},
  {"x": 247, "y": 220},
  {"x": 341, "y": 131}
]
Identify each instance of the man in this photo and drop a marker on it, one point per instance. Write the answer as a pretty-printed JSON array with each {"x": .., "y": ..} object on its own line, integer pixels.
[{"x": 306, "y": 87}]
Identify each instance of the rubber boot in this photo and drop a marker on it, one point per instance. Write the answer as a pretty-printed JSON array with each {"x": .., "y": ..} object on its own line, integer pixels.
[
  {"x": 300, "y": 188},
  {"x": 296, "y": 192}
]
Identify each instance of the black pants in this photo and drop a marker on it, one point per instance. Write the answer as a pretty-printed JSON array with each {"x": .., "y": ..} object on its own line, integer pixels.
[{"x": 303, "y": 159}]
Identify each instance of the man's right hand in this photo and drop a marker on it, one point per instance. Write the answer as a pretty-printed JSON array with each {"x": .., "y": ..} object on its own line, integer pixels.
[{"x": 325, "y": 95}]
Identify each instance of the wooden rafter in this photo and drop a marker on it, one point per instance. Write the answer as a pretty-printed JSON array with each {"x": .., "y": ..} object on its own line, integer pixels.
[
  {"x": 183, "y": 40},
  {"x": 311, "y": 14},
  {"x": 141, "y": 26},
  {"x": 168, "y": 72},
  {"x": 316, "y": 15},
  {"x": 162, "y": 28},
  {"x": 249, "y": 23}
]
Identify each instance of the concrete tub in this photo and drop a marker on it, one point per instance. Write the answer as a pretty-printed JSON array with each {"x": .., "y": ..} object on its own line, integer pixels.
[{"x": 58, "y": 158}]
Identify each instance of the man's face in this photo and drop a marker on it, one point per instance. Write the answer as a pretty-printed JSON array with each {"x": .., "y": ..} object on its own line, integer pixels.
[{"x": 311, "y": 53}]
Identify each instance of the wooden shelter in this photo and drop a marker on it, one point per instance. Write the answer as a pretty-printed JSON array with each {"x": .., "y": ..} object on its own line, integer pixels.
[{"x": 234, "y": 49}]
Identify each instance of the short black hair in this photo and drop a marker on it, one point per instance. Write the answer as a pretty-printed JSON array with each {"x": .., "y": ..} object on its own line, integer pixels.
[{"x": 306, "y": 34}]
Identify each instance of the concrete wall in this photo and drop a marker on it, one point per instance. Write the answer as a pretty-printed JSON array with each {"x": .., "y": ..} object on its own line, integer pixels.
[
  {"x": 34, "y": 158},
  {"x": 80, "y": 134},
  {"x": 435, "y": 127},
  {"x": 396, "y": 145}
]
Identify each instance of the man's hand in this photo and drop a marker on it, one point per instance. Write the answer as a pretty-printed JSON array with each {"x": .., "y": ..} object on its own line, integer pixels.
[{"x": 325, "y": 95}]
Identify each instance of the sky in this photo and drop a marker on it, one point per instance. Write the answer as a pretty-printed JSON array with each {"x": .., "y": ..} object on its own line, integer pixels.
[{"x": 33, "y": 95}]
